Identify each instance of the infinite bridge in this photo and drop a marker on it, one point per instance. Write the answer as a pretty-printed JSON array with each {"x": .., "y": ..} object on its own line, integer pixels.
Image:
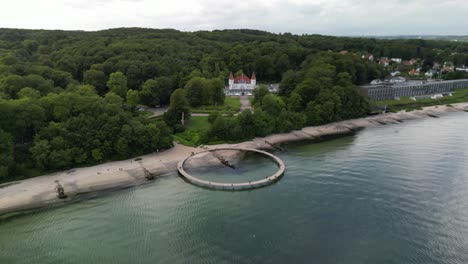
[{"x": 234, "y": 186}]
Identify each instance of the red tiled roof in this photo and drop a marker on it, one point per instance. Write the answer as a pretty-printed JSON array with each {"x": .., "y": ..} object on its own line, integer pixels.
[
  {"x": 230, "y": 76},
  {"x": 242, "y": 79},
  {"x": 413, "y": 72}
]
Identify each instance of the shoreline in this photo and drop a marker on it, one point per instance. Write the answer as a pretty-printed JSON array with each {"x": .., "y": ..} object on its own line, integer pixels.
[{"x": 40, "y": 191}]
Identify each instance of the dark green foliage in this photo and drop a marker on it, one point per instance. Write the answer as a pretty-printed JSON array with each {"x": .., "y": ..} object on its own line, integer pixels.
[
  {"x": 455, "y": 75},
  {"x": 97, "y": 79},
  {"x": 86, "y": 128},
  {"x": 212, "y": 117},
  {"x": 179, "y": 104},
  {"x": 317, "y": 94},
  {"x": 6, "y": 154},
  {"x": 133, "y": 100},
  {"x": 12, "y": 84},
  {"x": 201, "y": 91},
  {"x": 259, "y": 93},
  {"x": 289, "y": 81},
  {"x": 272, "y": 104},
  {"x": 156, "y": 92},
  {"x": 73, "y": 128},
  {"x": 51, "y": 122},
  {"x": 117, "y": 84}
]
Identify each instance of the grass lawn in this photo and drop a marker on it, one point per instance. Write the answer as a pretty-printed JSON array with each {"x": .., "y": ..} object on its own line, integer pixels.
[
  {"x": 405, "y": 103},
  {"x": 191, "y": 135},
  {"x": 231, "y": 106}
]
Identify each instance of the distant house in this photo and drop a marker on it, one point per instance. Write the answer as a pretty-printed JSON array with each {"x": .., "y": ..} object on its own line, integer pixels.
[
  {"x": 343, "y": 52},
  {"x": 397, "y": 60},
  {"x": 368, "y": 56},
  {"x": 384, "y": 61},
  {"x": 413, "y": 72},
  {"x": 397, "y": 80},
  {"x": 448, "y": 69},
  {"x": 410, "y": 62},
  {"x": 429, "y": 74},
  {"x": 376, "y": 81},
  {"x": 436, "y": 66},
  {"x": 395, "y": 73},
  {"x": 463, "y": 68},
  {"x": 241, "y": 85}
]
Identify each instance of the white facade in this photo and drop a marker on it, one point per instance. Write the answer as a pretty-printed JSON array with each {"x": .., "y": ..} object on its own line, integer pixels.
[{"x": 241, "y": 85}]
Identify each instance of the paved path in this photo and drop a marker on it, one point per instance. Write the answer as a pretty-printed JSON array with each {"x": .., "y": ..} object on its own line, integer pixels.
[
  {"x": 244, "y": 100},
  {"x": 157, "y": 111},
  {"x": 245, "y": 103}
]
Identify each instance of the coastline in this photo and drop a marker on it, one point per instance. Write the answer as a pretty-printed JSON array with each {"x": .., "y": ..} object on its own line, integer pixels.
[{"x": 40, "y": 191}]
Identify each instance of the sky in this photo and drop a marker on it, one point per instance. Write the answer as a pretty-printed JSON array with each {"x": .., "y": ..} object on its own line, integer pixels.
[{"x": 329, "y": 17}]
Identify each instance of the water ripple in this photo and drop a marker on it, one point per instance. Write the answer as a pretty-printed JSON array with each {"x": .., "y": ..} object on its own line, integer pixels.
[{"x": 389, "y": 194}]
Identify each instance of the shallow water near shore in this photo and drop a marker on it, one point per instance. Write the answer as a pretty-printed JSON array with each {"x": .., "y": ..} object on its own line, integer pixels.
[
  {"x": 251, "y": 167},
  {"x": 387, "y": 194}
]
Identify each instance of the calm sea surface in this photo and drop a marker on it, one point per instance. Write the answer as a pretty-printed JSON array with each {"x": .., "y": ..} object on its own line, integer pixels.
[{"x": 388, "y": 194}]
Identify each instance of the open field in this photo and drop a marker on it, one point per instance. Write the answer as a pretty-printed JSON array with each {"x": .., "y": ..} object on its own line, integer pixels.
[
  {"x": 231, "y": 106},
  {"x": 191, "y": 135}
]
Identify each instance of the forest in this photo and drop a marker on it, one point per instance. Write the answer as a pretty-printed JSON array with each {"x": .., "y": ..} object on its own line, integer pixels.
[{"x": 70, "y": 98}]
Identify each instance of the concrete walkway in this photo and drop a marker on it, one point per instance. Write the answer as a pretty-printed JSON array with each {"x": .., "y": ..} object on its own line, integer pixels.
[
  {"x": 244, "y": 100},
  {"x": 234, "y": 186},
  {"x": 245, "y": 103}
]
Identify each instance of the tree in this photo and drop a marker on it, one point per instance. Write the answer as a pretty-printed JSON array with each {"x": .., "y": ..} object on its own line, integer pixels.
[
  {"x": 295, "y": 102},
  {"x": 198, "y": 92},
  {"x": 272, "y": 104},
  {"x": 6, "y": 154},
  {"x": 132, "y": 99},
  {"x": 222, "y": 128},
  {"x": 28, "y": 92},
  {"x": 212, "y": 116},
  {"x": 287, "y": 121},
  {"x": 288, "y": 83},
  {"x": 179, "y": 104},
  {"x": 246, "y": 124},
  {"x": 149, "y": 93},
  {"x": 117, "y": 84},
  {"x": 156, "y": 92},
  {"x": 259, "y": 93},
  {"x": 40, "y": 153},
  {"x": 12, "y": 84},
  {"x": 264, "y": 124},
  {"x": 97, "y": 79},
  {"x": 165, "y": 87},
  {"x": 324, "y": 109},
  {"x": 217, "y": 91}
]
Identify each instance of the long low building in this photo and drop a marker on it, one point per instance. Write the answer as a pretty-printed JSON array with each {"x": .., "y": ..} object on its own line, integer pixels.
[{"x": 388, "y": 91}]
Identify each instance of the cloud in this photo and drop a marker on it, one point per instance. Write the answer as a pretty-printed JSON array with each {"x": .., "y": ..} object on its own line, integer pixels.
[{"x": 334, "y": 17}]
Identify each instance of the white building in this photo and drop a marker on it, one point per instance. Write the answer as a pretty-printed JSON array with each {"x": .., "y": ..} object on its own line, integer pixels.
[
  {"x": 397, "y": 80},
  {"x": 395, "y": 73},
  {"x": 429, "y": 74},
  {"x": 463, "y": 68},
  {"x": 241, "y": 85}
]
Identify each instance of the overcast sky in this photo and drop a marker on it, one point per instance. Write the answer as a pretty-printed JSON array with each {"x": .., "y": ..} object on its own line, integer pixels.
[{"x": 331, "y": 17}]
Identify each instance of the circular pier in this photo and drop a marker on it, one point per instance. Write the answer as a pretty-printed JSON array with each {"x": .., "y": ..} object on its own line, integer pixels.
[{"x": 234, "y": 186}]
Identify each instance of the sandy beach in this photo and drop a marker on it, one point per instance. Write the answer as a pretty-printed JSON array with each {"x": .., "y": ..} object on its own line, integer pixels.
[{"x": 40, "y": 191}]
